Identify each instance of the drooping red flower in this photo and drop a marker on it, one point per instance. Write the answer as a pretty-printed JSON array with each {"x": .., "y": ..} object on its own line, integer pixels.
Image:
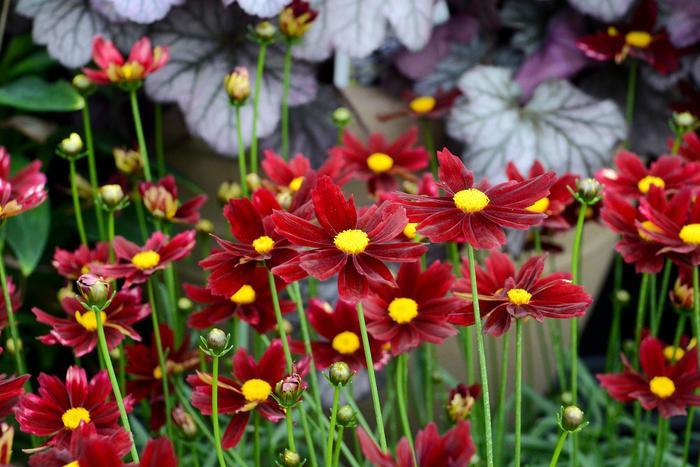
[
  {"x": 668, "y": 387},
  {"x": 250, "y": 389},
  {"x": 419, "y": 106},
  {"x": 354, "y": 247},
  {"x": 11, "y": 388},
  {"x": 476, "y": 213},
  {"x": 16, "y": 299},
  {"x": 640, "y": 39},
  {"x": 415, "y": 311},
  {"x": 79, "y": 330},
  {"x": 22, "y": 191},
  {"x": 161, "y": 200},
  {"x": 453, "y": 449},
  {"x": 136, "y": 264},
  {"x": 60, "y": 407},
  {"x": 113, "y": 69},
  {"x": 73, "y": 264},
  {"x": 380, "y": 162},
  {"x": 505, "y": 294}
]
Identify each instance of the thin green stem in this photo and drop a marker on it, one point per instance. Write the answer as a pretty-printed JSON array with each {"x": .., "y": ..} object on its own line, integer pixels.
[
  {"x": 558, "y": 448},
  {"x": 631, "y": 93},
  {"x": 290, "y": 429},
  {"x": 158, "y": 139},
  {"x": 429, "y": 389},
  {"x": 161, "y": 357},
  {"x": 280, "y": 321},
  {"x": 641, "y": 307},
  {"x": 92, "y": 169},
  {"x": 215, "y": 410},
  {"x": 696, "y": 306},
  {"x": 665, "y": 281},
  {"x": 502, "y": 394},
  {"x": 140, "y": 215},
  {"x": 429, "y": 144},
  {"x": 575, "y": 271},
  {"x": 331, "y": 431},
  {"x": 242, "y": 171},
  {"x": 143, "y": 150},
  {"x": 76, "y": 202},
  {"x": 677, "y": 140},
  {"x": 338, "y": 445},
  {"x": 401, "y": 383},
  {"x": 194, "y": 454},
  {"x": 256, "y": 104},
  {"x": 688, "y": 435},
  {"x": 11, "y": 321},
  {"x": 285, "y": 99},
  {"x": 110, "y": 234},
  {"x": 518, "y": 388},
  {"x": 661, "y": 432},
  {"x": 614, "y": 336},
  {"x": 256, "y": 439}
]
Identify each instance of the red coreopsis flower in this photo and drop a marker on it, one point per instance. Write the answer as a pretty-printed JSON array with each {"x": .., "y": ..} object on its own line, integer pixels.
[
  {"x": 162, "y": 202},
  {"x": 79, "y": 330},
  {"x": 113, "y": 69},
  {"x": 354, "y": 247},
  {"x": 476, "y": 213},
  {"x": 453, "y": 449},
  {"x": 690, "y": 147},
  {"x": 289, "y": 175},
  {"x": 136, "y": 264},
  {"x": 505, "y": 294},
  {"x": 430, "y": 107},
  {"x": 296, "y": 19},
  {"x": 460, "y": 401},
  {"x": 639, "y": 39},
  {"x": 11, "y": 388},
  {"x": 15, "y": 297},
  {"x": 415, "y": 311},
  {"x": 73, "y": 264},
  {"x": 681, "y": 294},
  {"x": 60, "y": 407},
  {"x": 380, "y": 162},
  {"x": 22, "y": 191},
  {"x": 668, "y": 387},
  {"x": 250, "y": 389}
]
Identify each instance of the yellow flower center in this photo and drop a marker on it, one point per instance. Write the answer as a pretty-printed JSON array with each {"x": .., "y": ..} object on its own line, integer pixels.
[
  {"x": 256, "y": 390},
  {"x": 612, "y": 31},
  {"x": 645, "y": 184},
  {"x": 422, "y": 104},
  {"x": 263, "y": 245},
  {"x": 71, "y": 418},
  {"x": 470, "y": 200},
  {"x": 351, "y": 241},
  {"x": 380, "y": 162},
  {"x": 650, "y": 226},
  {"x": 690, "y": 234},
  {"x": 146, "y": 259},
  {"x": 130, "y": 71},
  {"x": 346, "y": 342},
  {"x": 410, "y": 230},
  {"x": 85, "y": 269},
  {"x": 72, "y": 464},
  {"x": 403, "y": 310},
  {"x": 295, "y": 184},
  {"x": 88, "y": 320},
  {"x": 662, "y": 386},
  {"x": 539, "y": 206},
  {"x": 639, "y": 39},
  {"x": 171, "y": 368},
  {"x": 673, "y": 354},
  {"x": 519, "y": 296},
  {"x": 244, "y": 296}
]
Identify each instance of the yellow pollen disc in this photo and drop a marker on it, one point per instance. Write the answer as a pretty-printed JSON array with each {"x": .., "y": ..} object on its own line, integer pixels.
[
  {"x": 673, "y": 354},
  {"x": 645, "y": 184},
  {"x": 72, "y": 464},
  {"x": 690, "y": 234},
  {"x": 244, "y": 296},
  {"x": 410, "y": 230},
  {"x": 662, "y": 386},
  {"x": 146, "y": 259},
  {"x": 256, "y": 390},
  {"x": 519, "y": 296},
  {"x": 351, "y": 241},
  {"x": 85, "y": 269},
  {"x": 346, "y": 343},
  {"x": 640, "y": 39},
  {"x": 422, "y": 104},
  {"x": 380, "y": 162},
  {"x": 403, "y": 310},
  {"x": 71, "y": 418},
  {"x": 470, "y": 200},
  {"x": 650, "y": 226},
  {"x": 612, "y": 31},
  {"x": 540, "y": 206},
  {"x": 88, "y": 320},
  {"x": 263, "y": 245},
  {"x": 295, "y": 184}
]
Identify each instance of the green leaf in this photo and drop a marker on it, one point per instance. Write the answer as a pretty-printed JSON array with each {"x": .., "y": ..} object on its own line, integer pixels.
[
  {"x": 27, "y": 235},
  {"x": 34, "y": 94}
]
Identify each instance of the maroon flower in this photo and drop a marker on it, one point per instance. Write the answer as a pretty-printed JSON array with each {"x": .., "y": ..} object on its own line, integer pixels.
[
  {"x": 162, "y": 201},
  {"x": 296, "y": 19},
  {"x": 690, "y": 147},
  {"x": 431, "y": 107},
  {"x": 11, "y": 387},
  {"x": 22, "y": 191},
  {"x": 668, "y": 387},
  {"x": 142, "y": 61},
  {"x": 461, "y": 400},
  {"x": 681, "y": 294},
  {"x": 289, "y": 175},
  {"x": 15, "y": 297},
  {"x": 72, "y": 265}
]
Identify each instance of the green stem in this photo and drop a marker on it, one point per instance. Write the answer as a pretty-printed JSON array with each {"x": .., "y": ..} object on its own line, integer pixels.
[
  {"x": 518, "y": 388},
  {"x": 280, "y": 322},
  {"x": 429, "y": 390},
  {"x": 12, "y": 323},
  {"x": 358, "y": 413},
  {"x": 429, "y": 145},
  {"x": 688, "y": 435},
  {"x": 140, "y": 215},
  {"x": 76, "y": 202},
  {"x": 677, "y": 140},
  {"x": 661, "y": 431},
  {"x": 331, "y": 431},
  {"x": 158, "y": 139},
  {"x": 290, "y": 429},
  {"x": 215, "y": 410},
  {"x": 641, "y": 305},
  {"x": 614, "y": 336},
  {"x": 194, "y": 454},
  {"x": 242, "y": 171},
  {"x": 558, "y": 448},
  {"x": 110, "y": 234},
  {"x": 575, "y": 269},
  {"x": 631, "y": 92},
  {"x": 161, "y": 358},
  {"x": 143, "y": 150},
  {"x": 92, "y": 168},
  {"x": 665, "y": 281},
  {"x": 502, "y": 393},
  {"x": 401, "y": 383},
  {"x": 336, "y": 449},
  {"x": 122, "y": 368},
  {"x": 256, "y": 104},
  {"x": 696, "y": 306},
  {"x": 256, "y": 439},
  {"x": 285, "y": 99},
  {"x": 680, "y": 327}
]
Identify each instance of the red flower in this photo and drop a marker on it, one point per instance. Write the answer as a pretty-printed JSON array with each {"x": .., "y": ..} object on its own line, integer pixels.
[
  {"x": 431, "y": 107},
  {"x": 162, "y": 201},
  {"x": 453, "y": 449},
  {"x": 61, "y": 407},
  {"x": 11, "y": 387},
  {"x": 640, "y": 39},
  {"x": 461, "y": 400},
  {"x": 356, "y": 248},
  {"x": 250, "y": 389},
  {"x": 504, "y": 295},
  {"x": 139, "y": 263},
  {"x": 690, "y": 148},
  {"x": 681, "y": 294},
  {"x": 15, "y": 297},
  {"x": 79, "y": 331},
  {"x": 380, "y": 162},
  {"x": 142, "y": 61},
  {"x": 252, "y": 303},
  {"x": 286, "y": 174},
  {"x": 476, "y": 213},
  {"x": 668, "y": 387},
  {"x": 415, "y": 311},
  {"x": 21, "y": 192},
  {"x": 72, "y": 265},
  {"x": 296, "y": 19},
  {"x": 339, "y": 329}
]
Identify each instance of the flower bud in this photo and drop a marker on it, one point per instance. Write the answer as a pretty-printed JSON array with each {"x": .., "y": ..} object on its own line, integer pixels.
[
  {"x": 265, "y": 31},
  {"x": 589, "y": 190},
  {"x": 682, "y": 294},
  {"x": 237, "y": 85},
  {"x": 684, "y": 119},
  {"x": 339, "y": 374},
  {"x": 461, "y": 401},
  {"x": 204, "y": 226},
  {"x": 284, "y": 198},
  {"x": 289, "y": 390},
  {"x": 128, "y": 161},
  {"x": 289, "y": 458},
  {"x": 341, "y": 117},
  {"x": 346, "y": 417},
  {"x": 296, "y": 19},
  {"x": 572, "y": 418},
  {"x": 253, "y": 181},
  {"x": 566, "y": 398},
  {"x": 112, "y": 195},
  {"x": 82, "y": 84},
  {"x": 10, "y": 345},
  {"x": 95, "y": 290},
  {"x": 228, "y": 190},
  {"x": 184, "y": 304},
  {"x": 71, "y": 146},
  {"x": 184, "y": 422},
  {"x": 114, "y": 353},
  {"x": 623, "y": 297},
  {"x": 216, "y": 339}
]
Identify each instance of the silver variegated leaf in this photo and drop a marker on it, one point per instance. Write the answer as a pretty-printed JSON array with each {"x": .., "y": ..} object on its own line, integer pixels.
[
  {"x": 604, "y": 10},
  {"x": 448, "y": 71},
  {"x": 262, "y": 8},
  {"x": 143, "y": 11},
  {"x": 412, "y": 21}
]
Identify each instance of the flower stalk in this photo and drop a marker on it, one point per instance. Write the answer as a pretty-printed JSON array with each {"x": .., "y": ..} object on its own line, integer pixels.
[
  {"x": 331, "y": 430},
  {"x": 133, "y": 97},
  {"x": 242, "y": 170},
  {"x": 92, "y": 169},
  {"x": 161, "y": 357},
  {"x": 401, "y": 380},
  {"x": 11, "y": 320},
  {"x": 518, "y": 388},
  {"x": 256, "y": 104}
]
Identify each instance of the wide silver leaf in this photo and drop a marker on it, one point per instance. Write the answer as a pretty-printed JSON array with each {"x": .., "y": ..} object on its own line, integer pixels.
[
  {"x": 412, "y": 21},
  {"x": 604, "y": 10},
  {"x": 144, "y": 11}
]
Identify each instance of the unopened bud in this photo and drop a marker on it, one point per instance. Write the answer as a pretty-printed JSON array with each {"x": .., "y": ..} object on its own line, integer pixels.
[
  {"x": 184, "y": 422},
  {"x": 342, "y": 117},
  {"x": 94, "y": 289},
  {"x": 216, "y": 339},
  {"x": 346, "y": 417},
  {"x": 253, "y": 181},
  {"x": 128, "y": 161},
  {"x": 111, "y": 195},
  {"x": 114, "y": 353},
  {"x": 589, "y": 190},
  {"x": 566, "y": 398},
  {"x": 82, "y": 84},
  {"x": 289, "y": 458},
  {"x": 572, "y": 418},
  {"x": 265, "y": 31},
  {"x": 228, "y": 190},
  {"x": 684, "y": 119},
  {"x": 10, "y": 345},
  {"x": 289, "y": 390},
  {"x": 284, "y": 198},
  {"x": 237, "y": 85},
  {"x": 72, "y": 145},
  {"x": 184, "y": 304},
  {"x": 623, "y": 297},
  {"x": 204, "y": 226},
  {"x": 339, "y": 374}
]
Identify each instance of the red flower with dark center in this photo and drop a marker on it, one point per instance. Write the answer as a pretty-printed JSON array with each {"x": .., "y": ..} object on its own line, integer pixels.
[
  {"x": 415, "y": 311},
  {"x": 72, "y": 265},
  {"x": 16, "y": 299},
  {"x": 453, "y": 449},
  {"x": 354, "y": 247},
  {"x": 252, "y": 303},
  {"x": 339, "y": 329},
  {"x": 11, "y": 387},
  {"x": 380, "y": 162},
  {"x": 668, "y": 387},
  {"x": 690, "y": 147},
  {"x": 418, "y": 106},
  {"x": 22, "y": 191},
  {"x": 61, "y": 407},
  {"x": 639, "y": 39},
  {"x": 476, "y": 213},
  {"x": 250, "y": 389},
  {"x": 137, "y": 264},
  {"x": 504, "y": 295},
  {"x": 162, "y": 201},
  {"x": 79, "y": 331},
  {"x": 113, "y": 69}
]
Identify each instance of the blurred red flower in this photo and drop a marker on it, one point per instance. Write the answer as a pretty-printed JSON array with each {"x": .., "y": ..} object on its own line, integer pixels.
[
  {"x": 162, "y": 202},
  {"x": 22, "y": 191},
  {"x": 112, "y": 68},
  {"x": 417, "y": 106},
  {"x": 73, "y": 264},
  {"x": 11, "y": 387}
]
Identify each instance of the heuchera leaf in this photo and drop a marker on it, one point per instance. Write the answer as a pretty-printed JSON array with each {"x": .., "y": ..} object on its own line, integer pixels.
[
  {"x": 143, "y": 11},
  {"x": 529, "y": 22},
  {"x": 561, "y": 126},
  {"x": 263, "y": 8},
  {"x": 412, "y": 21},
  {"x": 448, "y": 71},
  {"x": 604, "y": 10},
  {"x": 34, "y": 94}
]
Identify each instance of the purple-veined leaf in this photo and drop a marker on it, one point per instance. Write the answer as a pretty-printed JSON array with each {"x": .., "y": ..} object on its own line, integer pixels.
[
  {"x": 604, "y": 10},
  {"x": 448, "y": 71},
  {"x": 262, "y": 8},
  {"x": 143, "y": 11},
  {"x": 412, "y": 21},
  {"x": 317, "y": 44}
]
